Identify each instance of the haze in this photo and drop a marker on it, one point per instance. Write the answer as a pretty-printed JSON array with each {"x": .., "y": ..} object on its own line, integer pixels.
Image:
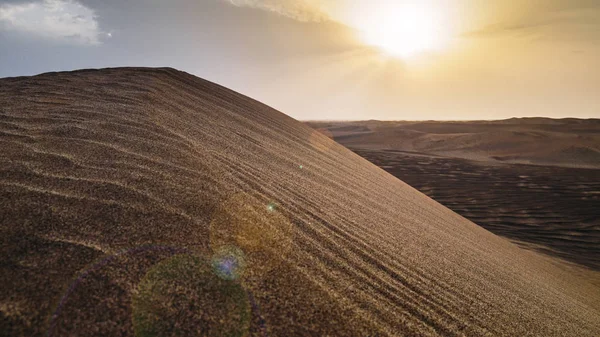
[{"x": 334, "y": 59}]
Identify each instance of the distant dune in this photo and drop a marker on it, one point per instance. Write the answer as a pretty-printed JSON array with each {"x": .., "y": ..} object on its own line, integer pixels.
[
  {"x": 561, "y": 142},
  {"x": 150, "y": 202}
]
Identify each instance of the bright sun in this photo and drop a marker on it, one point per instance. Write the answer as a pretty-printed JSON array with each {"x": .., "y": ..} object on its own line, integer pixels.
[{"x": 405, "y": 30}]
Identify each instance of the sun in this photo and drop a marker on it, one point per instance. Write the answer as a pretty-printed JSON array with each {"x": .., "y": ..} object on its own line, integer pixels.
[{"x": 405, "y": 30}]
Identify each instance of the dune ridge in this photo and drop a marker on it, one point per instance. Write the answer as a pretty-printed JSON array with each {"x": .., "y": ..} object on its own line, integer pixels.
[{"x": 122, "y": 188}]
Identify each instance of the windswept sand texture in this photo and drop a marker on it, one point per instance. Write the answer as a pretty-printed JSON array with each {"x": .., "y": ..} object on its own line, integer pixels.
[
  {"x": 151, "y": 202},
  {"x": 553, "y": 208},
  {"x": 550, "y": 206}
]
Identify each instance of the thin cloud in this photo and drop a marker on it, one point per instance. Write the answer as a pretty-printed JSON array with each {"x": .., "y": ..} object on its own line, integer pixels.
[
  {"x": 59, "y": 20},
  {"x": 579, "y": 20},
  {"x": 514, "y": 28},
  {"x": 301, "y": 10}
]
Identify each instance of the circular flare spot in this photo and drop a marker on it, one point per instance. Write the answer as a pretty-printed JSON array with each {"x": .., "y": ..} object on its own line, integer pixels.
[
  {"x": 228, "y": 263},
  {"x": 77, "y": 310},
  {"x": 182, "y": 296},
  {"x": 261, "y": 232}
]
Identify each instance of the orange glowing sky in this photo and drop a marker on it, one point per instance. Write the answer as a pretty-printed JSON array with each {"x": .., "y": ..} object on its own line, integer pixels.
[{"x": 334, "y": 59}]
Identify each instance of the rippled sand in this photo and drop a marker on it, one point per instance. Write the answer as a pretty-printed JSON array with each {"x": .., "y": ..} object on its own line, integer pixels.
[{"x": 151, "y": 202}]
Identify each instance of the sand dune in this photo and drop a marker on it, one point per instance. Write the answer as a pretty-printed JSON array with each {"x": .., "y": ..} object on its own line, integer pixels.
[
  {"x": 544, "y": 141},
  {"x": 149, "y": 201}
]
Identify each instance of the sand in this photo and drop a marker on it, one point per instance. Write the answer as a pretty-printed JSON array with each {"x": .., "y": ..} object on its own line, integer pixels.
[
  {"x": 151, "y": 202},
  {"x": 565, "y": 142},
  {"x": 541, "y": 202},
  {"x": 547, "y": 208}
]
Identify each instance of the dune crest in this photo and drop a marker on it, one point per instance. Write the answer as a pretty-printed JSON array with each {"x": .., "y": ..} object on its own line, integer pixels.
[{"x": 118, "y": 192}]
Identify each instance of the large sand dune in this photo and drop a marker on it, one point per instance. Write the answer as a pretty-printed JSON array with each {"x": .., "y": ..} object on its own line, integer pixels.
[{"x": 151, "y": 202}]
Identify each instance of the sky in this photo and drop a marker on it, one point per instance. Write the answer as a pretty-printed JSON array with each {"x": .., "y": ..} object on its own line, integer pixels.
[{"x": 334, "y": 59}]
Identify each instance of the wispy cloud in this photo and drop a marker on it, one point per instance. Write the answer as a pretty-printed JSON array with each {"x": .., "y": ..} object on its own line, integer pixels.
[
  {"x": 302, "y": 10},
  {"x": 572, "y": 21},
  {"x": 60, "y": 20}
]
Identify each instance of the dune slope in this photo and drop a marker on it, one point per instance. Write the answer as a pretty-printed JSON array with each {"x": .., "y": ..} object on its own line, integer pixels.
[{"x": 146, "y": 201}]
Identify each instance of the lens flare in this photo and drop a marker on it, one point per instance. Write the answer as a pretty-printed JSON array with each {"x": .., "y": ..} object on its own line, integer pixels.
[
  {"x": 260, "y": 231},
  {"x": 228, "y": 263},
  {"x": 183, "y": 296}
]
